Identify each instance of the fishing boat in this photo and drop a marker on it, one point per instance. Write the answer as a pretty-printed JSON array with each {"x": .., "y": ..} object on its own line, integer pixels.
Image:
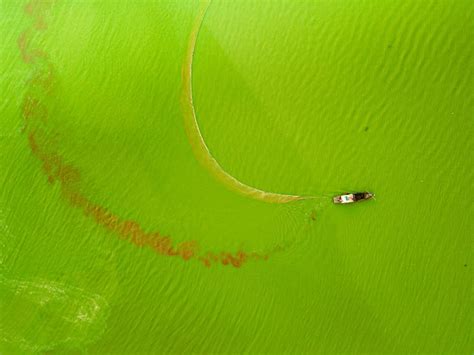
[{"x": 354, "y": 197}]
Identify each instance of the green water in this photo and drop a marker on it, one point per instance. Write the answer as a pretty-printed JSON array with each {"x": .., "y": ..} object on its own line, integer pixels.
[{"x": 297, "y": 97}]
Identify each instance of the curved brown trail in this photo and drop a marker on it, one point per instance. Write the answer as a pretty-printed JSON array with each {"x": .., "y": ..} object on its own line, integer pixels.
[{"x": 58, "y": 170}]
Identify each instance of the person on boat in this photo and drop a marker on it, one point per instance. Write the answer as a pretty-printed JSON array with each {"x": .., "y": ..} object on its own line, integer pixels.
[{"x": 359, "y": 196}]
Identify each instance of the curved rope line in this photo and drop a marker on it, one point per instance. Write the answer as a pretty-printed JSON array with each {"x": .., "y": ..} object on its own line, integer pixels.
[{"x": 198, "y": 145}]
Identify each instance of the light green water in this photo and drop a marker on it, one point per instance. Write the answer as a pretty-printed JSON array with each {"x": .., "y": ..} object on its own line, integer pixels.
[{"x": 305, "y": 98}]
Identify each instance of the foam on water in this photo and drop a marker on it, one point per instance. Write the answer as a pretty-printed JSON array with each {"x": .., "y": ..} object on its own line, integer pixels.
[{"x": 40, "y": 315}]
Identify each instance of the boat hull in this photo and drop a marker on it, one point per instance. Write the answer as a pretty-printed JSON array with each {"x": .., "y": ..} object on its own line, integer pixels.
[{"x": 352, "y": 198}]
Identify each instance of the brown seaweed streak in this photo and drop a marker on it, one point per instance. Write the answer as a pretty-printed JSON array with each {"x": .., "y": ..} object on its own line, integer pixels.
[{"x": 42, "y": 144}]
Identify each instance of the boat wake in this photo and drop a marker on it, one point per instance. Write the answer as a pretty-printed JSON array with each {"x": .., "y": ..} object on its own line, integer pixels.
[{"x": 198, "y": 145}]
